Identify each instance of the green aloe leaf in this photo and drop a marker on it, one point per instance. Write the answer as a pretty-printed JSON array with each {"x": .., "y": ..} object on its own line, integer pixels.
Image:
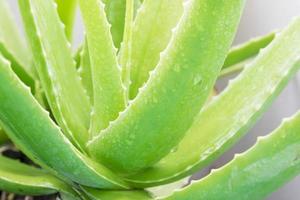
[
  {"x": 175, "y": 92},
  {"x": 247, "y": 50},
  {"x": 117, "y": 194},
  {"x": 3, "y": 137},
  {"x": 252, "y": 175},
  {"x": 56, "y": 69},
  {"x": 234, "y": 68},
  {"x": 230, "y": 115},
  {"x": 115, "y": 12},
  {"x": 67, "y": 12},
  {"x": 31, "y": 129},
  {"x": 22, "y": 179},
  {"x": 17, "y": 67},
  {"x": 12, "y": 40},
  {"x": 126, "y": 47},
  {"x": 108, "y": 92},
  {"x": 85, "y": 71},
  {"x": 241, "y": 55},
  {"x": 152, "y": 32}
]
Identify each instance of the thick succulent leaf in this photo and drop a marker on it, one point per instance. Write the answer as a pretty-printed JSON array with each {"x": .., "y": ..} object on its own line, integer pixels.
[
  {"x": 17, "y": 67},
  {"x": 85, "y": 71},
  {"x": 108, "y": 92},
  {"x": 247, "y": 50},
  {"x": 151, "y": 32},
  {"x": 239, "y": 56},
  {"x": 115, "y": 11},
  {"x": 22, "y": 179},
  {"x": 233, "y": 69},
  {"x": 67, "y": 10},
  {"x": 232, "y": 113},
  {"x": 3, "y": 137},
  {"x": 175, "y": 92},
  {"x": 272, "y": 162},
  {"x": 56, "y": 68},
  {"x": 31, "y": 129},
  {"x": 126, "y": 47},
  {"x": 11, "y": 40},
  {"x": 94, "y": 194}
]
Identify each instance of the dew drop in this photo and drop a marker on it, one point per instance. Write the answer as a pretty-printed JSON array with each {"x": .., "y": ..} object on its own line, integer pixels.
[
  {"x": 197, "y": 80},
  {"x": 174, "y": 149}
]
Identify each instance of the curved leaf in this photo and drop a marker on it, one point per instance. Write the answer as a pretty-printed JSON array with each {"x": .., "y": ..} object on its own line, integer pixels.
[
  {"x": 175, "y": 92},
  {"x": 152, "y": 31},
  {"x": 56, "y": 69},
  {"x": 241, "y": 55},
  {"x": 230, "y": 115},
  {"x": 247, "y": 50},
  {"x": 108, "y": 92},
  {"x": 85, "y": 71},
  {"x": 271, "y": 163},
  {"x": 126, "y": 47},
  {"x": 22, "y": 179},
  {"x": 12, "y": 41},
  {"x": 115, "y": 194},
  {"x": 67, "y": 10},
  {"x": 115, "y": 11},
  {"x": 18, "y": 68},
  {"x": 31, "y": 129}
]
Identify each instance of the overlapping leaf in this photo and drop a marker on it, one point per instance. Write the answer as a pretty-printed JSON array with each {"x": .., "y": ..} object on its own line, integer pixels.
[
  {"x": 67, "y": 12},
  {"x": 175, "y": 92},
  {"x": 272, "y": 162},
  {"x": 56, "y": 69},
  {"x": 108, "y": 92},
  {"x": 13, "y": 47},
  {"x": 115, "y": 11},
  {"x": 22, "y": 179},
  {"x": 151, "y": 33},
  {"x": 234, "y": 111},
  {"x": 31, "y": 129},
  {"x": 239, "y": 56},
  {"x": 117, "y": 194}
]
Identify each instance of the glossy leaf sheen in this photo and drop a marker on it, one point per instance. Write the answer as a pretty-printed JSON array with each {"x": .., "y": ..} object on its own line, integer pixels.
[
  {"x": 56, "y": 69},
  {"x": 108, "y": 92},
  {"x": 152, "y": 31},
  {"x": 22, "y": 179},
  {"x": 175, "y": 92},
  {"x": 235, "y": 111},
  {"x": 31, "y": 129},
  {"x": 272, "y": 162}
]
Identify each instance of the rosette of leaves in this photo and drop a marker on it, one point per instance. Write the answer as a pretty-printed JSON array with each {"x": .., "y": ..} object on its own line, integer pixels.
[{"x": 131, "y": 110}]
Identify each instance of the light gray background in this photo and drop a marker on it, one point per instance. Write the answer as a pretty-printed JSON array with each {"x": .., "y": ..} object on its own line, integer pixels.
[{"x": 260, "y": 17}]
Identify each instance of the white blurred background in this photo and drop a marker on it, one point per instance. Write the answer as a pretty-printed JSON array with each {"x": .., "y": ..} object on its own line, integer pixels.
[{"x": 260, "y": 17}]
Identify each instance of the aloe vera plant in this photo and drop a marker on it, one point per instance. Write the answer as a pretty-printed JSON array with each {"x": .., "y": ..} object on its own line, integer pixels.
[{"x": 132, "y": 109}]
